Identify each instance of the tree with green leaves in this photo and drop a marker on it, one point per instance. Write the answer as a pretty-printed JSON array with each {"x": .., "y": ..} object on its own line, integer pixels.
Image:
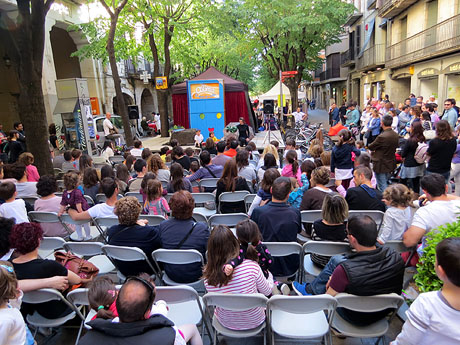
[
  {"x": 114, "y": 8},
  {"x": 24, "y": 41},
  {"x": 288, "y": 35}
]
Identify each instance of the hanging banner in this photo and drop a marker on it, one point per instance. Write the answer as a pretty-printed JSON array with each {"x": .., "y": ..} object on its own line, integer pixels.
[{"x": 369, "y": 28}]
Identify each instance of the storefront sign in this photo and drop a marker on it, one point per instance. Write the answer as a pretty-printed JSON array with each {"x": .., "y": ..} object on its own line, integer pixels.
[
  {"x": 161, "y": 83},
  {"x": 428, "y": 72},
  {"x": 454, "y": 68},
  {"x": 205, "y": 91}
]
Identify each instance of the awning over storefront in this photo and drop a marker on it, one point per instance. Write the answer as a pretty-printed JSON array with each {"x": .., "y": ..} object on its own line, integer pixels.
[{"x": 66, "y": 105}]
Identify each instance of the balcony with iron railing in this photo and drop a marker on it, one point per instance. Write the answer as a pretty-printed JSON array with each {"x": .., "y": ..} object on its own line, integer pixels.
[
  {"x": 438, "y": 40},
  {"x": 347, "y": 59},
  {"x": 372, "y": 57},
  {"x": 322, "y": 76},
  {"x": 391, "y": 8}
]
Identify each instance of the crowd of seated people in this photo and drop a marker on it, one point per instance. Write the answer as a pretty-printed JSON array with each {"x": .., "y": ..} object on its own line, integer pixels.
[{"x": 284, "y": 187}]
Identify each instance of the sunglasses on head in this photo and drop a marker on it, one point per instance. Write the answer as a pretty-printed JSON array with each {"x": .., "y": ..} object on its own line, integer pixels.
[{"x": 149, "y": 287}]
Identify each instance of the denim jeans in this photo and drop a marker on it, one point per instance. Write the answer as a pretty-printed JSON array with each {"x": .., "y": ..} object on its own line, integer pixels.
[
  {"x": 318, "y": 286},
  {"x": 382, "y": 180}
]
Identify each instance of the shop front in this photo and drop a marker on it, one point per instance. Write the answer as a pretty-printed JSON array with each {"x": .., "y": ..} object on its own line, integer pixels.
[
  {"x": 429, "y": 83},
  {"x": 452, "y": 76},
  {"x": 374, "y": 85}
]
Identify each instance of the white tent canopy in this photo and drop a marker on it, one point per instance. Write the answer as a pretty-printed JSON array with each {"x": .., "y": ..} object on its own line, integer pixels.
[{"x": 274, "y": 92}]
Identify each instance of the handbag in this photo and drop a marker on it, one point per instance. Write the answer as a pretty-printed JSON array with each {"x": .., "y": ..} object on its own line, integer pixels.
[
  {"x": 429, "y": 134},
  {"x": 81, "y": 267}
]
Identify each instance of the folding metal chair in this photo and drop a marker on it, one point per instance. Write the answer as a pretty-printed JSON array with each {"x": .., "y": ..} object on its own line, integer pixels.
[
  {"x": 325, "y": 248},
  {"x": 208, "y": 183},
  {"x": 101, "y": 198},
  {"x": 229, "y": 219},
  {"x": 309, "y": 217},
  {"x": 200, "y": 200},
  {"x": 177, "y": 257},
  {"x": 137, "y": 195},
  {"x": 152, "y": 219},
  {"x": 30, "y": 200},
  {"x": 168, "y": 196},
  {"x": 104, "y": 223},
  {"x": 198, "y": 217},
  {"x": 47, "y": 295},
  {"x": 232, "y": 197},
  {"x": 185, "y": 306},
  {"x": 399, "y": 247},
  {"x": 377, "y": 216},
  {"x": 94, "y": 251},
  {"x": 67, "y": 219},
  {"x": 366, "y": 304},
  {"x": 283, "y": 249},
  {"x": 248, "y": 199},
  {"x": 234, "y": 302},
  {"x": 126, "y": 254},
  {"x": 301, "y": 317},
  {"x": 46, "y": 217},
  {"x": 89, "y": 200},
  {"x": 48, "y": 245}
]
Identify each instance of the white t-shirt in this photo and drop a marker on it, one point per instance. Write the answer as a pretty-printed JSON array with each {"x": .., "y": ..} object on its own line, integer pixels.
[
  {"x": 298, "y": 116},
  {"x": 107, "y": 124},
  {"x": 136, "y": 152},
  {"x": 101, "y": 210},
  {"x": 430, "y": 320},
  {"x": 16, "y": 210},
  {"x": 12, "y": 327},
  {"x": 435, "y": 214},
  {"x": 395, "y": 223},
  {"x": 299, "y": 154},
  {"x": 199, "y": 139},
  {"x": 25, "y": 189}
]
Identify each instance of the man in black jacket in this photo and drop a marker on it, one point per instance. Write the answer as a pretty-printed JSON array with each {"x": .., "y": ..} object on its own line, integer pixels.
[
  {"x": 371, "y": 270},
  {"x": 136, "y": 326}
]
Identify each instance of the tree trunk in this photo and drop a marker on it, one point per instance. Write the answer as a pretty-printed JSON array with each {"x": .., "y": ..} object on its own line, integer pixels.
[
  {"x": 162, "y": 96},
  {"x": 30, "y": 42},
  {"x": 32, "y": 114},
  {"x": 122, "y": 109},
  {"x": 293, "y": 89}
]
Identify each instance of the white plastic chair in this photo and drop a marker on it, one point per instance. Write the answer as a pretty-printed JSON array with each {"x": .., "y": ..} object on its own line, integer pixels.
[
  {"x": 47, "y": 295},
  {"x": 325, "y": 248},
  {"x": 177, "y": 257},
  {"x": 232, "y": 197},
  {"x": 67, "y": 219},
  {"x": 282, "y": 249},
  {"x": 377, "y": 216},
  {"x": 366, "y": 304},
  {"x": 94, "y": 250},
  {"x": 48, "y": 245},
  {"x": 301, "y": 317},
  {"x": 152, "y": 219},
  {"x": 185, "y": 306},
  {"x": 137, "y": 195},
  {"x": 248, "y": 199},
  {"x": 234, "y": 302},
  {"x": 200, "y": 200},
  {"x": 122, "y": 253}
]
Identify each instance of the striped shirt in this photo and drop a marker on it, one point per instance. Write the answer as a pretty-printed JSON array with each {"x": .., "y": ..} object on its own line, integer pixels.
[{"x": 247, "y": 278}]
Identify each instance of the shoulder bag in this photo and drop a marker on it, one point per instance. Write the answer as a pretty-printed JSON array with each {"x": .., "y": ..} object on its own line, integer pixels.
[{"x": 186, "y": 236}]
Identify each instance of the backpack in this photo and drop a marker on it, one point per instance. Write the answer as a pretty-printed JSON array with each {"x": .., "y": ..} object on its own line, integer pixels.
[{"x": 420, "y": 155}]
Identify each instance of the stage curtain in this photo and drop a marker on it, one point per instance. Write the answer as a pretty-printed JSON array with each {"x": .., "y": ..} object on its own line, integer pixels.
[
  {"x": 180, "y": 110},
  {"x": 235, "y": 107}
]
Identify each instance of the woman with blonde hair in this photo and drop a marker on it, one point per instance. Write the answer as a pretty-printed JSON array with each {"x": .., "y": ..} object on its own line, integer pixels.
[
  {"x": 156, "y": 165},
  {"x": 269, "y": 149}
]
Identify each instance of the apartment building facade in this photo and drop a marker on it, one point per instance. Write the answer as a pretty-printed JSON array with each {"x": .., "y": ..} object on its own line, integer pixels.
[{"x": 398, "y": 47}]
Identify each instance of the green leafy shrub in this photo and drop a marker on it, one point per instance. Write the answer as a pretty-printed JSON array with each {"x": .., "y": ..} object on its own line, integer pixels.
[{"x": 426, "y": 278}]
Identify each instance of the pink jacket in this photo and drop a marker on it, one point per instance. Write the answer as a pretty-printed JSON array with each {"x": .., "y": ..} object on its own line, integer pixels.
[
  {"x": 32, "y": 173},
  {"x": 287, "y": 172}
]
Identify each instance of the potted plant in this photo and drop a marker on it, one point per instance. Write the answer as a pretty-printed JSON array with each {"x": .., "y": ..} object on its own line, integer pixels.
[{"x": 426, "y": 279}]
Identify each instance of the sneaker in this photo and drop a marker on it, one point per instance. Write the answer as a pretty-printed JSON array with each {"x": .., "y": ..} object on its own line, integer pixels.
[
  {"x": 300, "y": 289},
  {"x": 88, "y": 238},
  {"x": 285, "y": 290}
]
